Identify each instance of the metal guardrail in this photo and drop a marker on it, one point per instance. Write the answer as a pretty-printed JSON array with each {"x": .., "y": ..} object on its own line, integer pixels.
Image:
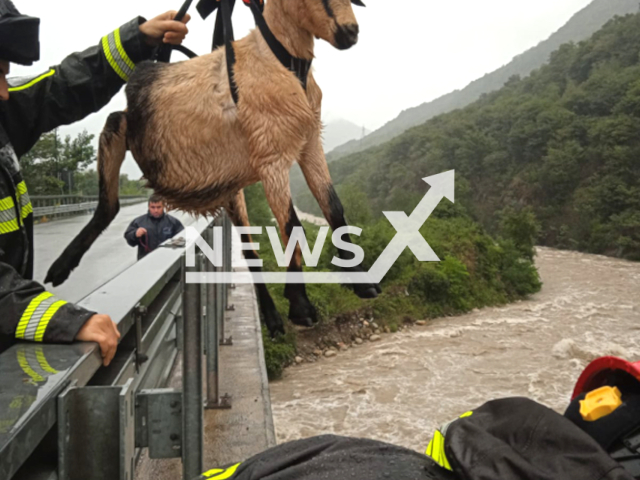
[
  {"x": 64, "y": 205},
  {"x": 63, "y": 416}
]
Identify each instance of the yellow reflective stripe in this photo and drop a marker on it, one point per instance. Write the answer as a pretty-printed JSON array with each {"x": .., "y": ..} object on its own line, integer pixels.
[
  {"x": 9, "y": 226},
  {"x": 26, "y": 368},
  {"x": 123, "y": 54},
  {"x": 32, "y": 82},
  {"x": 28, "y": 313},
  {"x": 21, "y": 188},
  {"x": 435, "y": 450},
  {"x": 8, "y": 221},
  {"x": 6, "y": 203},
  {"x": 26, "y": 210},
  {"x": 111, "y": 60},
  {"x": 465, "y": 415},
  {"x": 44, "y": 322},
  {"x": 221, "y": 474},
  {"x": 42, "y": 361},
  {"x": 23, "y": 198}
]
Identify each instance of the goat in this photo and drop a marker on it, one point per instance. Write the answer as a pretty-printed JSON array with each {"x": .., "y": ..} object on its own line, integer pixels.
[{"x": 198, "y": 149}]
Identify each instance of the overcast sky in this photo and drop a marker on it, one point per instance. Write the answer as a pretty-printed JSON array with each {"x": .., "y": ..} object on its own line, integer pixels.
[{"x": 410, "y": 51}]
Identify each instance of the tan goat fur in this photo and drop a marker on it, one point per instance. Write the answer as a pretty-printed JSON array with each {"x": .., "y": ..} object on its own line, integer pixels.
[
  {"x": 201, "y": 138},
  {"x": 198, "y": 149}
]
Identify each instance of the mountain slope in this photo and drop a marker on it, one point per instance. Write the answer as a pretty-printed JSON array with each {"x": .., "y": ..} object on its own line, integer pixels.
[
  {"x": 562, "y": 142},
  {"x": 337, "y": 132},
  {"x": 581, "y": 26}
]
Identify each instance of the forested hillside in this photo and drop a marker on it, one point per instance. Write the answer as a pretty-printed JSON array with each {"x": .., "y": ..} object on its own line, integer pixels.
[
  {"x": 580, "y": 27},
  {"x": 564, "y": 142}
]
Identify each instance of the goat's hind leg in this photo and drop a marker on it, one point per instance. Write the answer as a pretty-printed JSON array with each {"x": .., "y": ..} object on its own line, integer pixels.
[
  {"x": 111, "y": 152},
  {"x": 316, "y": 173},
  {"x": 237, "y": 209},
  {"x": 275, "y": 179}
]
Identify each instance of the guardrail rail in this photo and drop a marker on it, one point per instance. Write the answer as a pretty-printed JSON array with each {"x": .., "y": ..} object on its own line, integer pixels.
[
  {"x": 52, "y": 206},
  {"x": 64, "y": 416}
]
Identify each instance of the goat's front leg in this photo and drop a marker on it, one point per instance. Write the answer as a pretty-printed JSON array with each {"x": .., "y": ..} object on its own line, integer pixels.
[
  {"x": 237, "y": 209},
  {"x": 275, "y": 179},
  {"x": 316, "y": 173},
  {"x": 111, "y": 153}
]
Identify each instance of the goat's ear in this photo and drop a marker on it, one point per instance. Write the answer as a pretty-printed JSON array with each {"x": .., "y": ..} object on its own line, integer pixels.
[{"x": 360, "y": 3}]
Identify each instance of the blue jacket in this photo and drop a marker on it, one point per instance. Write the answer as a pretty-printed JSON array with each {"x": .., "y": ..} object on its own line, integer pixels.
[{"x": 158, "y": 230}]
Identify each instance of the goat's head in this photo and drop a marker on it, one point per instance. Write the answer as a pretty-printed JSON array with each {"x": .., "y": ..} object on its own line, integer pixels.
[{"x": 331, "y": 20}]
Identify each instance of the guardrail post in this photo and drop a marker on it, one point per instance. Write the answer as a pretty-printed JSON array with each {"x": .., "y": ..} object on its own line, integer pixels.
[
  {"x": 214, "y": 313},
  {"x": 228, "y": 267},
  {"x": 192, "y": 421}
]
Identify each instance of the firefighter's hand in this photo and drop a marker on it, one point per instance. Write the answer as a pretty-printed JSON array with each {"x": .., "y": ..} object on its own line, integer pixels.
[
  {"x": 140, "y": 232},
  {"x": 102, "y": 330},
  {"x": 164, "y": 29}
]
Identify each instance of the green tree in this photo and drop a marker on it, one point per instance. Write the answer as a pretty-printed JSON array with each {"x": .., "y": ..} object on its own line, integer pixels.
[
  {"x": 51, "y": 164},
  {"x": 562, "y": 142}
]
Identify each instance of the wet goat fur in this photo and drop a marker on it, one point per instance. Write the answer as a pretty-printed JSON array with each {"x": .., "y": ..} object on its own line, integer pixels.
[{"x": 198, "y": 149}]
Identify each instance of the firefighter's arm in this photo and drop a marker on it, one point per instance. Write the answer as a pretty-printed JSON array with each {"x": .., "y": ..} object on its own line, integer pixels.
[
  {"x": 31, "y": 313},
  {"x": 83, "y": 83}
]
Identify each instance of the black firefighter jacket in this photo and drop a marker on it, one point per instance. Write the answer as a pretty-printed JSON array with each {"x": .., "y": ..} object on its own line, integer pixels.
[
  {"x": 508, "y": 439},
  {"x": 82, "y": 84},
  {"x": 158, "y": 230}
]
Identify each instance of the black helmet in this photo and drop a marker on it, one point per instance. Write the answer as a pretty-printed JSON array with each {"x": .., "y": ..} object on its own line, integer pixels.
[{"x": 18, "y": 35}]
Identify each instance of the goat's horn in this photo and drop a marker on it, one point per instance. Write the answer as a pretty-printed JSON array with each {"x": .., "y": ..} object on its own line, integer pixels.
[{"x": 360, "y": 3}]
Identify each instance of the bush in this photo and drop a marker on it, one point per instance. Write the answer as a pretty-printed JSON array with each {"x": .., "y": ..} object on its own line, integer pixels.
[
  {"x": 522, "y": 227},
  {"x": 277, "y": 353},
  {"x": 474, "y": 271},
  {"x": 430, "y": 284}
]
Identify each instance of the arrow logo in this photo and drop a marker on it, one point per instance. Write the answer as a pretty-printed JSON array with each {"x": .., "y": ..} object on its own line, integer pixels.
[
  {"x": 407, "y": 235},
  {"x": 408, "y": 227}
]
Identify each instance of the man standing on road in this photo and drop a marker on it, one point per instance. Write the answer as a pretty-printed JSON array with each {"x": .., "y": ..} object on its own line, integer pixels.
[
  {"x": 82, "y": 84},
  {"x": 148, "y": 231}
]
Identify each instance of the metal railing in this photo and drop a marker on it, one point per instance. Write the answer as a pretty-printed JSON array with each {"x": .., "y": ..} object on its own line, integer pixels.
[
  {"x": 53, "y": 206},
  {"x": 64, "y": 416}
]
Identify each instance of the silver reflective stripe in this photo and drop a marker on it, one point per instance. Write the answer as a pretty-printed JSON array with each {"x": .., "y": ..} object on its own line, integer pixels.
[
  {"x": 7, "y": 215},
  {"x": 38, "y": 313},
  {"x": 117, "y": 57}
]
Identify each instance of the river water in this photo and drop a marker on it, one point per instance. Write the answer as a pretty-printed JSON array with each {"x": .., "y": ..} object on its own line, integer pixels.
[{"x": 401, "y": 388}]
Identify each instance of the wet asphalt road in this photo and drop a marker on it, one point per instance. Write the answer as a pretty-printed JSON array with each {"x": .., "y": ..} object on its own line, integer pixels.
[{"x": 109, "y": 256}]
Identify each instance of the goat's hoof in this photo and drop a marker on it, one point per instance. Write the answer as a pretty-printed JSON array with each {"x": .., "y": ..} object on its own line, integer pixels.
[
  {"x": 273, "y": 321},
  {"x": 302, "y": 312},
  {"x": 276, "y": 330},
  {"x": 302, "y": 322},
  {"x": 366, "y": 290},
  {"x": 58, "y": 273}
]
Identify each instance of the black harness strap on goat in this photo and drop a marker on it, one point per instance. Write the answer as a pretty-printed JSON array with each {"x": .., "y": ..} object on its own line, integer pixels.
[
  {"x": 223, "y": 35},
  {"x": 299, "y": 66},
  {"x": 226, "y": 10}
]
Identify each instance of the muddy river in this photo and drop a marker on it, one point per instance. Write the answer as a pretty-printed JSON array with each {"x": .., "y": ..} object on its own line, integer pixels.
[{"x": 402, "y": 387}]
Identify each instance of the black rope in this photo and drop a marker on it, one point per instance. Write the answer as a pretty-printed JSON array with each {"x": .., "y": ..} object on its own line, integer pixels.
[
  {"x": 184, "y": 50},
  {"x": 226, "y": 9},
  {"x": 299, "y": 66},
  {"x": 223, "y": 35},
  {"x": 163, "y": 52}
]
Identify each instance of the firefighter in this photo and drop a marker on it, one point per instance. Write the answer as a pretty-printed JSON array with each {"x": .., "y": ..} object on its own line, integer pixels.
[
  {"x": 598, "y": 438},
  {"x": 82, "y": 84}
]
